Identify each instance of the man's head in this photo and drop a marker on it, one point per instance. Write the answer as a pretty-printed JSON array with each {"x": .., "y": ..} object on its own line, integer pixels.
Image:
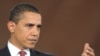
[
  {"x": 18, "y": 10},
  {"x": 24, "y": 25}
]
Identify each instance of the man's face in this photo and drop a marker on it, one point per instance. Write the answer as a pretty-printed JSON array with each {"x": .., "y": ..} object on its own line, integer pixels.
[{"x": 25, "y": 33}]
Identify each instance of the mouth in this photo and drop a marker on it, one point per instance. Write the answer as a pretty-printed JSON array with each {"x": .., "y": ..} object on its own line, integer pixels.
[{"x": 34, "y": 41}]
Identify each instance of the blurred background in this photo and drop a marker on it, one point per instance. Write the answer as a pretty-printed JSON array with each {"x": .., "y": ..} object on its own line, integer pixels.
[{"x": 67, "y": 25}]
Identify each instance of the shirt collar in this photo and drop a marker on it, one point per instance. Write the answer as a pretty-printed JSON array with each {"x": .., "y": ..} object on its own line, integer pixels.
[{"x": 14, "y": 51}]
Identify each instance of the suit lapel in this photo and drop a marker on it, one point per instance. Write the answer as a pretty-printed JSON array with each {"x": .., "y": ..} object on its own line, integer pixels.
[{"x": 32, "y": 53}]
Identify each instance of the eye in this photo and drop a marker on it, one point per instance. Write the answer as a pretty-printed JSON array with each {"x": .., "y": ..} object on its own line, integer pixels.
[
  {"x": 39, "y": 26},
  {"x": 29, "y": 25}
]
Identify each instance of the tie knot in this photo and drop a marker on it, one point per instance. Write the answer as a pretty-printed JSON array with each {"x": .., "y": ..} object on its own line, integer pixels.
[{"x": 22, "y": 53}]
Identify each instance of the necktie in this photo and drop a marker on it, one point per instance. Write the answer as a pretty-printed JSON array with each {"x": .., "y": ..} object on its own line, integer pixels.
[{"x": 22, "y": 53}]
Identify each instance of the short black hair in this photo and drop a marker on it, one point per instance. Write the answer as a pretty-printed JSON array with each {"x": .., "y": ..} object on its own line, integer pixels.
[{"x": 21, "y": 8}]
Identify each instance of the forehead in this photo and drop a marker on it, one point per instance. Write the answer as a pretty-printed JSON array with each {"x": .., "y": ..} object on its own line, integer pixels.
[{"x": 30, "y": 17}]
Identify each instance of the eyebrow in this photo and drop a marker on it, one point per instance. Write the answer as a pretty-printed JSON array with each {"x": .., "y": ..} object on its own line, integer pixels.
[{"x": 30, "y": 24}]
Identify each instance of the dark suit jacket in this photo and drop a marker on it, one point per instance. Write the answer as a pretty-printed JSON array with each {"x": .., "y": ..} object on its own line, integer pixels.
[{"x": 5, "y": 52}]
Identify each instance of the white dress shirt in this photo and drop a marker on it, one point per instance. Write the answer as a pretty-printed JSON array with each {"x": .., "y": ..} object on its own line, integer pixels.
[{"x": 14, "y": 51}]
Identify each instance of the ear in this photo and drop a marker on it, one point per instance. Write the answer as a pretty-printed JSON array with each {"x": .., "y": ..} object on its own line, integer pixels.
[{"x": 11, "y": 26}]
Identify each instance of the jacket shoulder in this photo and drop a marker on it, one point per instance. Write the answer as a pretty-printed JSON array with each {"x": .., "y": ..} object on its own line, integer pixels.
[
  {"x": 42, "y": 53},
  {"x": 4, "y": 52}
]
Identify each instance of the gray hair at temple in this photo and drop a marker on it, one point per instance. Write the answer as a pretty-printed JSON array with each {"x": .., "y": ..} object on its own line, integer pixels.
[{"x": 19, "y": 9}]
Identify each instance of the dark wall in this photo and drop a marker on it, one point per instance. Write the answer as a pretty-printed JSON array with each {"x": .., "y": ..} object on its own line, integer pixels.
[{"x": 67, "y": 25}]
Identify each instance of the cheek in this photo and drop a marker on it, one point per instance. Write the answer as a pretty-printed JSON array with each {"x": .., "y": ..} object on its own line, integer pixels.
[
  {"x": 22, "y": 37},
  {"x": 21, "y": 34}
]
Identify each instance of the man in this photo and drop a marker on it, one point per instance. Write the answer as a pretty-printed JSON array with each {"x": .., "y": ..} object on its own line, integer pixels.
[{"x": 24, "y": 25}]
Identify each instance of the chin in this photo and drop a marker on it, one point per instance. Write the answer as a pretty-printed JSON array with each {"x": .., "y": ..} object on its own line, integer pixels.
[{"x": 32, "y": 46}]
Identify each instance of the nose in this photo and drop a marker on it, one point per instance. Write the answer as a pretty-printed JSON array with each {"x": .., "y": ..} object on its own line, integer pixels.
[{"x": 35, "y": 32}]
